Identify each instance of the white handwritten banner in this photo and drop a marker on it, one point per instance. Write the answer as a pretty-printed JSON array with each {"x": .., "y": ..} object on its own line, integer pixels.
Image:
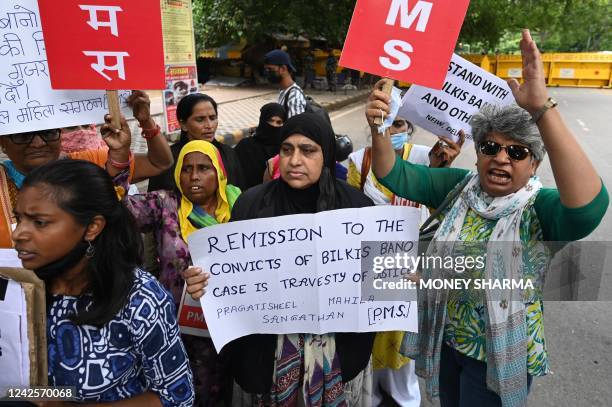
[
  {"x": 466, "y": 90},
  {"x": 300, "y": 273},
  {"x": 27, "y": 102}
]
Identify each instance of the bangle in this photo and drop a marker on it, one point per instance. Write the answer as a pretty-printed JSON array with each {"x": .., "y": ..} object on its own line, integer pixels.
[
  {"x": 122, "y": 166},
  {"x": 148, "y": 134}
]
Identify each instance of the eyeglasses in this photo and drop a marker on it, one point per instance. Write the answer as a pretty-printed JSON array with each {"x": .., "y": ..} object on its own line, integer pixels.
[
  {"x": 514, "y": 151},
  {"x": 26, "y": 138},
  {"x": 398, "y": 123}
]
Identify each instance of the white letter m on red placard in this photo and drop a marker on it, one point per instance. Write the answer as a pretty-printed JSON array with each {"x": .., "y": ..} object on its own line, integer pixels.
[{"x": 422, "y": 10}]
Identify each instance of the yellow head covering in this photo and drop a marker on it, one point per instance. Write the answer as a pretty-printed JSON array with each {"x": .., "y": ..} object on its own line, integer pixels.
[{"x": 223, "y": 211}]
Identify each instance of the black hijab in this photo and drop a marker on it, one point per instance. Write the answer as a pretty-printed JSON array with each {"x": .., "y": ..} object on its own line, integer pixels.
[
  {"x": 277, "y": 198},
  {"x": 254, "y": 152},
  {"x": 251, "y": 358},
  {"x": 266, "y": 134}
]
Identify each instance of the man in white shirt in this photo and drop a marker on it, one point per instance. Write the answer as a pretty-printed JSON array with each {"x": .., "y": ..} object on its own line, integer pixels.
[{"x": 278, "y": 69}]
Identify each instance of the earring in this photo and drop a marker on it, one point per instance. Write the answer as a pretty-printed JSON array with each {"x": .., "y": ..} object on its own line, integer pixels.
[{"x": 91, "y": 250}]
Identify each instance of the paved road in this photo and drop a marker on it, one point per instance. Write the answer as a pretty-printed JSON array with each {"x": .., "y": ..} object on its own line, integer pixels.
[{"x": 579, "y": 334}]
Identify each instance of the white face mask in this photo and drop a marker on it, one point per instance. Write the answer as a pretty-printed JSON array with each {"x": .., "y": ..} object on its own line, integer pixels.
[
  {"x": 394, "y": 106},
  {"x": 398, "y": 140}
]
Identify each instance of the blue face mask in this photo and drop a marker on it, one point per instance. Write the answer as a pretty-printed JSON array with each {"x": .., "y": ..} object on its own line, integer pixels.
[{"x": 398, "y": 140}]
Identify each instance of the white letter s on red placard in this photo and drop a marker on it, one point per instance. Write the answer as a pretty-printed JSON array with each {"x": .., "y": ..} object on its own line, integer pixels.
[{"x": 394, "y": 49}]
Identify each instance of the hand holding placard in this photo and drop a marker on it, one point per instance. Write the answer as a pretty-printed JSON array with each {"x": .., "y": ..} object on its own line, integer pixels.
[
  {"x": 383, "y": 156},
  {"x": 378, "y": 105},
  {"x": 268, "y": 277},
  {"x": 444, "y": 152},
  {"x": 118, "y": 138},
  {"x": 196, "y": 281},
  {"x": 387, "y": 86},
  {"x": 140, "y": 103}
]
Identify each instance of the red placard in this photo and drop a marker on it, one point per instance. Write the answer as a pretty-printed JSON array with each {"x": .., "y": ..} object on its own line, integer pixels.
[
  {"x": 103, "y": 44},
  {"x": 407, "y": 40},
  {"x": 192, "y": 317}
]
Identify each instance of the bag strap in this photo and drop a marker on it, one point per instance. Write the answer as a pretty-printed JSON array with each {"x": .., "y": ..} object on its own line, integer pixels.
[
  {"x": 289, "y": 90},
  {"x": 366, "y": 163},
  {"x": 286, "y": 98},
  {"x": 449, "y": 198}
]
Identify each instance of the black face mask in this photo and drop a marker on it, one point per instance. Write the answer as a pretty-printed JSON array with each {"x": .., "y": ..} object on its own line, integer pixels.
[
  {"x": 273, "y": 77},
  {"x": 52, "y": 270},
  {"x": 268, "y": 134}
]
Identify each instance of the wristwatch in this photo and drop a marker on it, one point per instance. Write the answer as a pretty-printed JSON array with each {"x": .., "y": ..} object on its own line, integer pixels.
[{"x": 550, "y": 103}]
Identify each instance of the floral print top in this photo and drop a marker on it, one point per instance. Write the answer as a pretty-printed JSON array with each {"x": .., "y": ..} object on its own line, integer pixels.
[
  {"x": 157, "y": 212},
  {"x": 465, "y": 328}
]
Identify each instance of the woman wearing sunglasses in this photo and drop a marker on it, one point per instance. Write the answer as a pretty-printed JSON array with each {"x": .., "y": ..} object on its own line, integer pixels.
[
  {"x": 474, "y": 348},
  {"x": 393, "y": 373}
]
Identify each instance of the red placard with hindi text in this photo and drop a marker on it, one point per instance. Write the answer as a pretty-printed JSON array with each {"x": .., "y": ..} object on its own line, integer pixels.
[
  {"x": 408, "y": 40},
  {"x": 103, "y": 44}
]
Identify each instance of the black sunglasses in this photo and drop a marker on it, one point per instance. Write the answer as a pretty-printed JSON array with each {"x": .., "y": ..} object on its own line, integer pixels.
[
  {"x": 26, "y": 138},
  {"x": 514, "y": 151},
  {"x": 398, "y": 123}
]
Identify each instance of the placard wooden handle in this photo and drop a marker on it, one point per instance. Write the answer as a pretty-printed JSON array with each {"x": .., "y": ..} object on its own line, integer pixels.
[
  {"x": 113, "y": 108},
  {"x": 386, "y": 88}
]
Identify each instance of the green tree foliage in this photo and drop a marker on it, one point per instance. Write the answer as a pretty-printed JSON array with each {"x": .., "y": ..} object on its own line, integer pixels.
[
  {"x": 557, "y": 25},
  {"x": 485, "y": 24},
  {"x": 220, "y": 21},
  {"x": 587, "y": 26}
]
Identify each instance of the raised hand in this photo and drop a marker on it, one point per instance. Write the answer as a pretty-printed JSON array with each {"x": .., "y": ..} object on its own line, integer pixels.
[
  {"x": 116, "y": 139},
  {"x": 378, "y": 104},
  {"x": 141, "y": 107},
  {"x": 531, "y": 95},
  {"x": 445, "y": 151}
]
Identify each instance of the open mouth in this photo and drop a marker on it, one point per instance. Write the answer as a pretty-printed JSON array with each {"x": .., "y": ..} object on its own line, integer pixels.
[
  {"x": 196, "y": 188},
  {"x": 499, "y": 176}
]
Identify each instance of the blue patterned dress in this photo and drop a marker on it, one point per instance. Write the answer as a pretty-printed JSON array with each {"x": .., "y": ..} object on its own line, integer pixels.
[{"x": 139, "y": 350}]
